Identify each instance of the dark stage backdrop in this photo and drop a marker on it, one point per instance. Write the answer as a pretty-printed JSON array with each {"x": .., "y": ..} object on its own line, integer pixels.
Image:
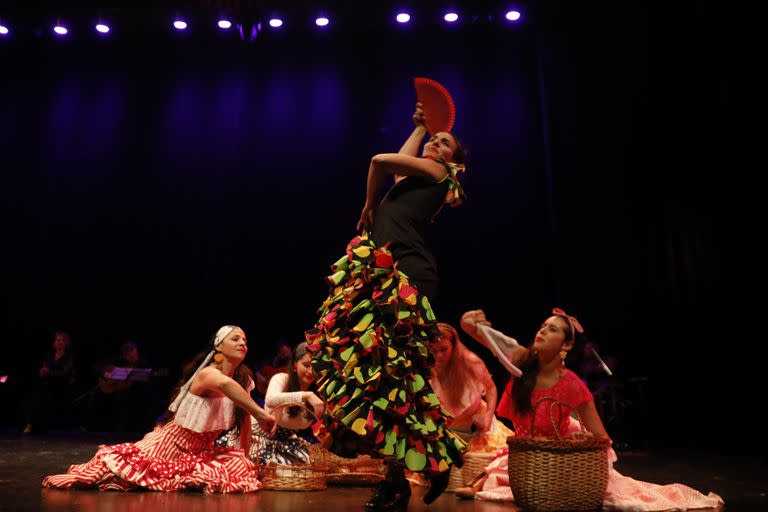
[{"x": 156, "y": 187}]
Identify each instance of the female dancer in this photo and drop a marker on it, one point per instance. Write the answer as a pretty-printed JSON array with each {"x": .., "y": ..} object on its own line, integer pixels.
[
  {"x": 180, "y": 454},
  {"x": 290, "y": 443},
  {"x": 544, "y": 375},
  {"x": 371, "y": 343},
  {"x": 465, "y": 388}
]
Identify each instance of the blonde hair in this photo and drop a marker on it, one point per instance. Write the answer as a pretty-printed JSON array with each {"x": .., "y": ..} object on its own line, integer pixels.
[{"x": 459, "y": 373}]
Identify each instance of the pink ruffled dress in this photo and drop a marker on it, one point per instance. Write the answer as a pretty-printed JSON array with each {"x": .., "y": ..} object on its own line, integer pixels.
[{"x": 623, "y": 493}]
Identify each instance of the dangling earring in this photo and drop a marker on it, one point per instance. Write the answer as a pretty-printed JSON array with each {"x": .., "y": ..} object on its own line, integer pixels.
[
  {"x": 217, "y": 359},
  {"x": 563, "y": 355}
]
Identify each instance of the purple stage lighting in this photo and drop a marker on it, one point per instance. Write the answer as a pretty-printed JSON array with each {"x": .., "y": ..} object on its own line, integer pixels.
[
  {"x": 101, "y": 28},
  {"x": 180, "y": 25},
  {"x": 275, "y": 23},
  {"x": 225, "y": 24},
  {"x": 4, "y": 30},
  {"x": 321, "y": 22},
  {"x": 403, "y": 17},
  {"x": 451, "y": 17},
  {"x": 513, "y": 15},
  {"x": 60, "y": 30}
]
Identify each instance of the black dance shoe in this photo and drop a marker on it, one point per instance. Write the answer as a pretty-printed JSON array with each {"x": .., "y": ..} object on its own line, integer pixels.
[
  {"x": 388, "y": 497},
  {"x": 438, "y": 483}
]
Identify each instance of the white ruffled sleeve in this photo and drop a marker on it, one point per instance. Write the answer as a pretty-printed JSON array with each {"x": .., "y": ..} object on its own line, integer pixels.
[{"x": 276, "y": 394}]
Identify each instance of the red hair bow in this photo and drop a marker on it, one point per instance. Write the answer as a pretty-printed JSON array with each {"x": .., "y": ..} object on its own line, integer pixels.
[{"x": 572, "y": 321}]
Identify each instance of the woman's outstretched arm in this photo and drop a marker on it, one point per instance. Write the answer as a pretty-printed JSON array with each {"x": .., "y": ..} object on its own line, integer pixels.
[
  {"x": 212, "y": 379},
  {"x": 411, "y": 145}
]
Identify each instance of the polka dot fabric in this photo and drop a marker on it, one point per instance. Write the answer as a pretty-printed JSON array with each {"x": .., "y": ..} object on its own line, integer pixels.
[
  {"x": 371, "y": 358},
  {"x": 170, "y": 458}
]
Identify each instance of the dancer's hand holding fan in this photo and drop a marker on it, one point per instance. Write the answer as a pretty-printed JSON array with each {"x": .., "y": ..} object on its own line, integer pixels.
[{"x": 439, "y": 111}]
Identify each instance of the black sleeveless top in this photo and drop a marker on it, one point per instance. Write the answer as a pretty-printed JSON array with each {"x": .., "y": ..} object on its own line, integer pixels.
[{"x": 401, "y": 220}]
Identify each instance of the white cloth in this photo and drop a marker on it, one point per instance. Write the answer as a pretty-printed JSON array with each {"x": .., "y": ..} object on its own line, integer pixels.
[
  {"x": 501, "y": 345},
  {"x": 206, "y": 414},
  {"x": 200, "y": 414},
  {"x": 277, "y": 395}
]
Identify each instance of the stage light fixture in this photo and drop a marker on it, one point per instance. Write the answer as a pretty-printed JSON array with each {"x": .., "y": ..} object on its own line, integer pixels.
[
  {"x": 451, "y": 17},
  {"x": 403, "y": 17}
]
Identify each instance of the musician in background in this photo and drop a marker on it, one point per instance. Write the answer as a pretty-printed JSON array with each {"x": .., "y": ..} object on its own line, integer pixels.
[
  {"x": 49, "y": 402},
  {"x": 123, "y": 404}
]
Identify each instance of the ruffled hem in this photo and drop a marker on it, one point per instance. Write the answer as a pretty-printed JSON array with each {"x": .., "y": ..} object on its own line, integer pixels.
[
  {"x": 492, "y": 441},
  {"x": 128, "y": 466},
  {"x": 372, "y": 361}
]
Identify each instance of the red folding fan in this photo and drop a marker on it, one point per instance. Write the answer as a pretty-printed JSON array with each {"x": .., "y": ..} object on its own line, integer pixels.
[{"x": 437, "y": 104}]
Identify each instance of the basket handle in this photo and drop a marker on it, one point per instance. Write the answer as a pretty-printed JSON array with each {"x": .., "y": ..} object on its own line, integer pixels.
[
  {"x": 286, "y": 405},
  {"x": 296, "y": 404},
  {"x": 552, "y": 415}
]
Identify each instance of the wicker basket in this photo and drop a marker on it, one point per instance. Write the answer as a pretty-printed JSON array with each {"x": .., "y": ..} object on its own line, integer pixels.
[
  {"x": 362, "y": 470},
  {"x": 312, "y": 476},
  {"x": 455, "y": 480},
  {"x": 558, "y": 474},
  {"x": 474, "y": 464},
  {"x": 297, "y": 477}
]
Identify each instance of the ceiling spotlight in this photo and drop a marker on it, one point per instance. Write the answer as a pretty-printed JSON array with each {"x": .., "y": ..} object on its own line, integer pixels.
[
  {"x": 60, "y": 30},
  {"x": 513, "y": 15},
  {"x": 451, "y": 17},
  {"x": 180, "y": 25},
  {"x": 322, "y": 21},
  {"x": 403, "y": 17},
  {"x": 275, "y": 23},
  {"x": 225, "y": 24},
  {"x": 101, "y": 28}
]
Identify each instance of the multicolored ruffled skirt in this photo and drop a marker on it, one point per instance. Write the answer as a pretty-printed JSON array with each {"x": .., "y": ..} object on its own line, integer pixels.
[{"x": 372, "y": 363}]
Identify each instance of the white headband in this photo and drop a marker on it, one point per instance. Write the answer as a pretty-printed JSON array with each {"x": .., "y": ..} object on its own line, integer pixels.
[{"x": 222, "y": 333}]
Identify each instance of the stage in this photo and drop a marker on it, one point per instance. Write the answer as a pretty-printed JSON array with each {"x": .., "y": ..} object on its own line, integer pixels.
[
  {"x": 25, "y": 460},
  {"x": 167, "y": 171}
]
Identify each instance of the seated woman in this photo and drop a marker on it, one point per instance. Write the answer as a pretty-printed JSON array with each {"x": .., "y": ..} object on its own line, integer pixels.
[
  {"x": 290, "y": 443},
  {"x": 544, "y": 376},
  {"x": 465, "y": 388},
  {"x": 180, "y": 453}
]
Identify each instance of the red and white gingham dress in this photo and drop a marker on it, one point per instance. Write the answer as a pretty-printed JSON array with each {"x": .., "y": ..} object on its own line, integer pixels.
[{"x": 177, "y": 456}]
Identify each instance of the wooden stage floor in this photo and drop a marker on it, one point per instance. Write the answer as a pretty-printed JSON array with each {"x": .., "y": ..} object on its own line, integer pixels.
[{"x": 741, "y": 481}]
